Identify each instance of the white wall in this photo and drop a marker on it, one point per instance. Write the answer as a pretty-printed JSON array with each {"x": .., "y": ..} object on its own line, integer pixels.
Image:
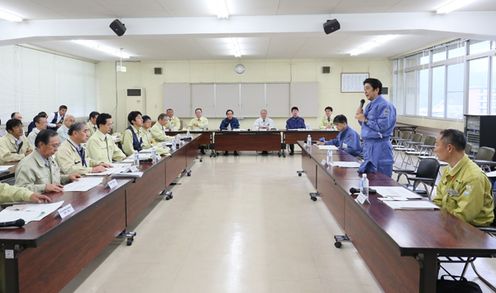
[
  {"x": 140, "y": 74},
  {"x": 32, "y": 81}
]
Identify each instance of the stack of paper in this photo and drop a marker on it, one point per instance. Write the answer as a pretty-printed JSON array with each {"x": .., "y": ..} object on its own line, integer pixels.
[
  {"x": 344, "y": 164},
  {"x": 83, "y": 184},
  {"x": 328, "y": 147},
  {"x": 395, "y": 193},
  {"x": 5, "y": 168},
  {"x": 28, "y": 212},
  {"x": 412, "y": 205}
]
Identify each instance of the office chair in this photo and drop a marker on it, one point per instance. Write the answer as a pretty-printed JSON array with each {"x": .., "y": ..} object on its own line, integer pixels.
[
  {"x": 484, "y": 158},
  {"x": 491, "y": 230},
  {"x": 468, "y": 150},
  {"x": 425, "y": 174}
]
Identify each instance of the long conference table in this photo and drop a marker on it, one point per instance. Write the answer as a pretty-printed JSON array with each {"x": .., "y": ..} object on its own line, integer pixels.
[
  {"x": 400, "y": 247},
  {"x": 44, "y": 256}
]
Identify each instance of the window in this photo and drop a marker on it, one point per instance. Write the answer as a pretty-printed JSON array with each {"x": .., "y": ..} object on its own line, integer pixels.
[
  {"x": 438, "y": 94},
  {"x": 493, "y": 87},
  {"x": 477, "y": 47},
  {"x": 411, "y": 93},
  {"x": 454, "y": 93},
  {"x": 423, "y": 92},
  {"x": 477, "y": 88},
  {"x": 456, "y": 50},
  {"x": 439, "y": 55}
]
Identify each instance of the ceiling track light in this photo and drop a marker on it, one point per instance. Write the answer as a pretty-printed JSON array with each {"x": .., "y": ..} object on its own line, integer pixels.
[
  {"x": 10, "y": 16},
  {"x": 452, "y": 5}
]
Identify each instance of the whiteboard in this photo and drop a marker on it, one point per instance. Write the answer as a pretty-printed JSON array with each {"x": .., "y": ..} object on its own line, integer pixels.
[
  {"x": 252, "y": 99},
  {"x": 305, "y": 96},
  {"x": 227, "y": 96},
  {"x": 203, "y": 96},
  {"x": 178, "y": 97},
  {"x": 353, "y": 82},
  {"x": 278, "y": 99}
]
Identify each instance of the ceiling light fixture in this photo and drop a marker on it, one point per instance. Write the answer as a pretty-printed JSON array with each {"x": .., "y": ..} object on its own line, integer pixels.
[
  {"x": 376, "y": 42},
  {"x": 452, "y": 5},
  {"x": 103, "y": 48},
  {"x": 220, "y": 8},
  {"x": 235, "y": 48},
  {"x": 10, "y": 16}
]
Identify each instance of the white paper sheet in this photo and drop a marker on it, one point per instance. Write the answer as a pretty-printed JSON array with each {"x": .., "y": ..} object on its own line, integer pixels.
[
  {"x": 83, "y": 184},
  {"x": 396, "y": 192},
  {"x": 116, "y": 168},
  {"x": 344, "y": 164},
  {"x": 491, "y": 174},
  {"x": 411, "y": 205},
  {"x": 328, "y": 147},
  {"x": 29, "y": 212}
]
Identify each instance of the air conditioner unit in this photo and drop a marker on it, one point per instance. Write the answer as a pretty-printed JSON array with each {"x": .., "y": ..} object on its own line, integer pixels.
[{"x": 136, "y": 100}]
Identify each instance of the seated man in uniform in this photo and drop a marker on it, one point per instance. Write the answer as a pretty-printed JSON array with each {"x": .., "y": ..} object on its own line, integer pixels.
[
  {"x": 72, "y": 156},
  {"x": 464, "y": 190},
  {"x": 92, "y": 122},
  {"x": 327, "y": 122},
  {"x": 294, "y": 122},
  {"x": 56, "y": 119},
  {"x": 101, "y": 147},
  {"x": 148, "y": 141},
  {"x": 131, "y": 137},
  {"x": 347, "y": 138},
  {"x": 10, "y": 193},
  {"x": 173, "y": 123},
  {"x": 14, "y": 146},
  {"x": 199, "y": 122},
  {"x": 32, "y": 124},
  {"x": 40, "y": 123},
  {"x": 39, "y": 172},
  {"x": 158, "y": 129},
  {"x": 229, "y": 123},
  {"x": 63, "y": 130}
]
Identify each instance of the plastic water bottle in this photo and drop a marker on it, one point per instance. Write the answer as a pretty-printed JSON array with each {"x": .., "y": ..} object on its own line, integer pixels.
[
  {"x": 309, "y": 140},
  {"x": 136, "y": 158},
  {"x": 329, "y": 157},
  {"x": 154, "y": 155},
  {"x": 365, "y": 185},
  {"x": 229, "y": 127},
  {"x": 188, "y": 135}
]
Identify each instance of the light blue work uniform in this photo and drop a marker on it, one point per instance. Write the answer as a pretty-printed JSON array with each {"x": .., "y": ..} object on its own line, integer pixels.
[
  {"x": 376, "y": 135},
  {"x": 347, "y": 140}
]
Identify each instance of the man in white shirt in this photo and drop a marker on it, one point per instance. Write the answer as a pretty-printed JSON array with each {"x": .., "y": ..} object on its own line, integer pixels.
[
  {"x": 264, "y": 122},
  {"x": 63, "y": 130},
  {"x": 56, "y": 119},
  {"x": 40, "y": 123}
]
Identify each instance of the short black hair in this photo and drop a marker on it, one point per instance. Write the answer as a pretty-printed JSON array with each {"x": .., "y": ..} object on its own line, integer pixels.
[
  {"x": 170, "y": 109},
  {"x": 78, "y": 126},
  {"x": 44, "y": 136},
  {"x": 93, "y": 114},
  {"x": 374, "y": 83},
  {"x": 294, "y": 108},
  {"x": 132, "y": 116},
  {"x": 42, "y": 114},
  {"x": 37, "y": 118},
  {"x": 62, "y": 107},
  {"x": 13, "y": 123},
  {"x": 198, "y": 109},
  {"x": 328, "y": 108},
  {"x": 229, "y": 110},
  {"x": 340, "y": 119},
  {"x": 454, "y": 137},
  {"x": 146, "y": 118},
  {"x": 102, "y": 119},
  {"x": 161, "y": 116}
]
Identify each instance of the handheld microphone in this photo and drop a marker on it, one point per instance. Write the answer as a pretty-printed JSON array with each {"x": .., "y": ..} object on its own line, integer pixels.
[
  {"x": 17, "y": 223},
  {"x": 362, "y": 102},
  {"x": 354, "y": 190}
]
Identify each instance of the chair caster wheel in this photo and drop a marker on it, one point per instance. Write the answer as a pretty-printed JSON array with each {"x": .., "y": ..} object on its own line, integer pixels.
[
  {"x": 337, "y": 244},
  {"x": 201, "y": 160},
  {"x": 299, "y": 174},
  {"x": 169, "y": 197},
  {"x": 313, "y": 198},
  {"x": 188, "y": 173},
  {"x": 129, "y": 242}
]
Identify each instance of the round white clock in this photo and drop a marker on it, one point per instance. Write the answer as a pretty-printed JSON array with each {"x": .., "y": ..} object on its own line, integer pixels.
[{"x": 239, "y": 68}]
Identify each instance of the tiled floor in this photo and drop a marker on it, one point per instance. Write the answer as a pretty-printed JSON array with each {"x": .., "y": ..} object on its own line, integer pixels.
[{"x": 239, "y": 224}]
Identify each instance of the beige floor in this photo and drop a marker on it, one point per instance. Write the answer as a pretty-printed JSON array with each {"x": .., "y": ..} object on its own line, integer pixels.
[{"x": 239, "y": 224}]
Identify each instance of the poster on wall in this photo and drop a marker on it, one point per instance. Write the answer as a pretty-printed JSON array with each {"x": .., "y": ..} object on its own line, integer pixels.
[{"x": 352, "y": 82}]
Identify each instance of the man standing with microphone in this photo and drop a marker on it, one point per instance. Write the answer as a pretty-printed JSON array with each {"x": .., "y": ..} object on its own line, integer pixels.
[{"x": 378, "y": 122}]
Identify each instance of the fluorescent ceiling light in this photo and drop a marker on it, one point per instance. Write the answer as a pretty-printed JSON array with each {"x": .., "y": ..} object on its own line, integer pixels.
[
  {"x": 9, "y": 15},
  {"x": 103, "y": 48},
  {"x": 452, "y": 5},
  {"x": 235, "y": 48},
  {"x": 376, "y": 42},
  {"x": 219, "y": 7}
]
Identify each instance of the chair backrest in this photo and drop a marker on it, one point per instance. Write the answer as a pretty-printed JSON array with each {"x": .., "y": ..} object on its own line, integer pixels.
[
  {"x": 406, "y": 134},
  {"x": 428, "y": 168},
  {"x": 485, "y": 154},
  {"x": 417, "y": 137},
  {"x": 429, "y": 140},
  {"x": 468, "y": 149}
]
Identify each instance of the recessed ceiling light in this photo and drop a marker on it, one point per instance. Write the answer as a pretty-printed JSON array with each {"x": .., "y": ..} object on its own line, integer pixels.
[
  {"x": 103, "y": 48},
  {"x": 219, "y": 7},
  {"x": 452, "y": 5},
  {"x": 9, "y": 15},
  {"x": 376, "y": 42}
]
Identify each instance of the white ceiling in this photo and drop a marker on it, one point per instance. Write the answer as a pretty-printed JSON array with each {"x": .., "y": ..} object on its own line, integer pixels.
[{"x": 283, "y": 44}]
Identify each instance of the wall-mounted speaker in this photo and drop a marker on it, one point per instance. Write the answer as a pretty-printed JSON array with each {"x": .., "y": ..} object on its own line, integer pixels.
[
  {"x": 157, "y": 70},
  {"x": 326, "y": 69},
  {"x": 331, "y": 25},
  {"x": 118, "y": 27}
]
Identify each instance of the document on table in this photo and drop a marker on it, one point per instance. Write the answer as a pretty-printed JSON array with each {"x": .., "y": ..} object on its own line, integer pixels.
[
  {"x": 328, "y": 147},
  {"x": 344, "y": 164},
  {"x": 411, "y": 205},
  {"x": 5, "y": 168},
  {"x": 115, "y": 169},
  {"x": 395, "y": 193},
  {"x": 83, "y": 184},
  {"x": 491, "y": 174},
  {"x": 29, "y": 212}
]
